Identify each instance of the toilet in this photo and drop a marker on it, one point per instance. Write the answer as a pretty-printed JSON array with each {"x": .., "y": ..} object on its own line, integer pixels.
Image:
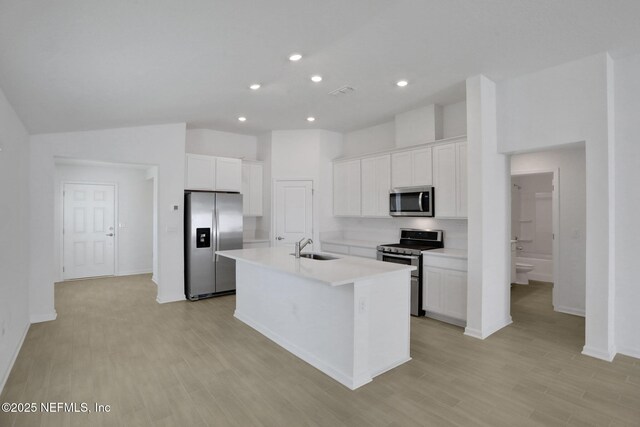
[{"x": 522, "y": 276}]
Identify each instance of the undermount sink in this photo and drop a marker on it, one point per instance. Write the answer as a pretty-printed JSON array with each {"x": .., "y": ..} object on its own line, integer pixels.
[{"x": 319, "y": 257}]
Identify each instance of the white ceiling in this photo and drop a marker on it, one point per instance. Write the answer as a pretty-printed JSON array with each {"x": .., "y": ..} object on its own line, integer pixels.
[{"x": 90, "y": 64}]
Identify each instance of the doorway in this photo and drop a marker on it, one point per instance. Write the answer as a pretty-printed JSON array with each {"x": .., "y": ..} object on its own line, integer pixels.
[
  {"x": 548, "y": 217},
  {"x": 293, "y": 211},
  {"x": 88, "y": 230}
]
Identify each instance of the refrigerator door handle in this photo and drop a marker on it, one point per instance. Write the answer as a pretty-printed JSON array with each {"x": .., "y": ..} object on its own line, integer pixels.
[{"x": 217, "y": 245}]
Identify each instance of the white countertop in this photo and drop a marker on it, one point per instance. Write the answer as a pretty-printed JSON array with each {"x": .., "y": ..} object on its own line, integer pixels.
[
  {"x": 346, "y": 242},
  {"x": 345, "y": 269},
  {"x": 446, "y": 252}
]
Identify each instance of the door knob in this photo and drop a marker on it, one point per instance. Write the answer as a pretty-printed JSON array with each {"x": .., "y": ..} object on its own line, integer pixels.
[
  {"x": 109, "y": 234},
  {"x": 279, "y": 238}
]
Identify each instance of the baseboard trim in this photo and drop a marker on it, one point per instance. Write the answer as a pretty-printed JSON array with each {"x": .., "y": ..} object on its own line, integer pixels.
[
  {"x": 477, "y": 333},
  {"x": 606, "y": 355},
  {"x": 14, "y": 357},
  {"x": 171, "y": 298},
  {"x": 342, "y": 378},
  {"x": 43, "y": 317},
  {"x": 134, "y": 272},
  {"x": 154, "y": 280},
  {"x": 628, "y": 351},
  {"x": 570, "y": 310}
]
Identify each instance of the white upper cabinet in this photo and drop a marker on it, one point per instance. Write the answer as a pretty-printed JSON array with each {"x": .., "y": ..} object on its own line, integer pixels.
[
  {"x": 346, "y": 185},
  {"x": 200, "y": 172},
  {"x": 252, "y": 188},
  {"x": 212, "y": 173},
  {"x": 450, "y": 180},
  {"x": 376, "y": 182},
  {"x": 228, "y": 174},
  {"x": 411, "y": 168}
]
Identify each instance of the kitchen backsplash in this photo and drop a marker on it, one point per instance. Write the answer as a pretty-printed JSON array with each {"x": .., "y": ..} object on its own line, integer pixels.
[{"x": 387, "y": 230}]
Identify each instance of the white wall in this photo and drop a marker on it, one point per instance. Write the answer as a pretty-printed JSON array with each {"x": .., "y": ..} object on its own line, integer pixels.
[
  {"x": 263, "y": 223},
  {"x": 223, "y": 144},
  {"x": 307, "y": 155},
  {"x": 369, "y": 140},
  {"x": 134, "y": 221},
  {"x": 383, "y": 136},
  {"x": 454, "y": 119},
  {"x": 553, "y": 107},
  {"x": 14, "y": 243},
  {"x": 161, "y": 145},
  {"x": 627, "y": 204},
  {"x": 569, "y": 292}
]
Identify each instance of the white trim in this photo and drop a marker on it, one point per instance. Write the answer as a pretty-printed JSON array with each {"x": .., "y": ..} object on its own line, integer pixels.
[
  {"x": 135, "y": 272},
  {"x": 170, "y": 298},
  {"x": 539, "y": 277},
  {"x": 570, "y": 310},
  {"x": 607, "y": 355},
  {"x": 14, "y": 357},
  {"x": 476, "y": 333},
  {"x": 43, "y": 317},
  {"x": 628, "y": 351},
  {"x": 334, "y": 373},
  {"x": 154, "y": 279}
]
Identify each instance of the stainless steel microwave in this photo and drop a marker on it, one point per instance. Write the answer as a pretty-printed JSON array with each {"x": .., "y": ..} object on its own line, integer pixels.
[{"x": 411, "y": 201}]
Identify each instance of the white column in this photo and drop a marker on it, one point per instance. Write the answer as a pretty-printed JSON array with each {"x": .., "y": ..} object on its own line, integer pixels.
[{"x": 488, "y": 283}]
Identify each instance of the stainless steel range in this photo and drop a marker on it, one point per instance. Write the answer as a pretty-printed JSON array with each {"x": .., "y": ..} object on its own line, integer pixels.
[{"x": 409, "y": 252}]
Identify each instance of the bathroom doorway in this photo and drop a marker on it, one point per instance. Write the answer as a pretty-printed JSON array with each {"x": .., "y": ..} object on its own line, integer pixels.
[{"x": 534, "y": 226}]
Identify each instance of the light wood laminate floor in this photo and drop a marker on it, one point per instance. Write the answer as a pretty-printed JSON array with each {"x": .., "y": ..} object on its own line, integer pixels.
[{"x": 194, "y": 364}]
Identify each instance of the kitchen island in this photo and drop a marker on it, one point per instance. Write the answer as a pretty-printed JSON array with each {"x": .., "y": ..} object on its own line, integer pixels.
[{"x": 348, "y": 317}]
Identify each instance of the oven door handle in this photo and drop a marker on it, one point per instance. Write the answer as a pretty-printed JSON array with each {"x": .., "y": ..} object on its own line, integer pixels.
[
  {"x": 420, "y": 202},
  {"x": 400, "y": 256}
]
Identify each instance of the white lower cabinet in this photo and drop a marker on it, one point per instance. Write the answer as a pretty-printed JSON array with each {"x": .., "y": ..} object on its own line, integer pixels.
[{"x": 445, "y": 289}]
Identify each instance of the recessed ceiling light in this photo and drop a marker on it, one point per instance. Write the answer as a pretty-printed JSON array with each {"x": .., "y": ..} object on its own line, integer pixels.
[
  {"x": 316, "y": 79},
  {"x": 255, "y": 86},
  {"x": 295, "y": 57},
  {"x": 242, "y": 119},
  {"x": 311, "y": 119},
  {"x": 402, "y": 83}
]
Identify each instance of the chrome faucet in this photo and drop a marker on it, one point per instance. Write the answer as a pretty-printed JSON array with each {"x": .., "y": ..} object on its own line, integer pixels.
[{"x": 301, "y": 244}]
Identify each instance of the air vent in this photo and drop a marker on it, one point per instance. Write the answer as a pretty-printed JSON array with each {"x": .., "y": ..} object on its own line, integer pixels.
[{"x": 341, "y": 91}]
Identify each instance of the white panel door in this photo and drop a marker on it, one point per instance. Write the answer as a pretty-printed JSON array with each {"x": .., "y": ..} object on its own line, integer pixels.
[
  {"x": 228, "y": 174},
  {"x": 444, "y": 180},
  {"x": 376, "y": 182},
  {"x": 200, "y": 172},
  {"x": 88, "y": 230},
  {"x": 293, "y": 212},
  {"x": 421, "y": 167}
]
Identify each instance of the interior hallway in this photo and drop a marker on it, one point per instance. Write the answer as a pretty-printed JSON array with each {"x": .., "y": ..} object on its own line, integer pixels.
[{"x": 194, "y": 364}]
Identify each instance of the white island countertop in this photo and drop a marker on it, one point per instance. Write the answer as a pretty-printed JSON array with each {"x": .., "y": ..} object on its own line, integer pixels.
[{"x": 345, "y": 269}]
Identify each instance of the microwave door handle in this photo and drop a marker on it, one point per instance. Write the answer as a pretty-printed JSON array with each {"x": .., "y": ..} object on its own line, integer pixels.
[{"x": 420, "y": 202}]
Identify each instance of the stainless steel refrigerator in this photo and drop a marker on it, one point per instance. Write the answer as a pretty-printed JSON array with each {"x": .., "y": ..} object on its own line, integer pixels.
[{"x": 213, "y": 222}]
